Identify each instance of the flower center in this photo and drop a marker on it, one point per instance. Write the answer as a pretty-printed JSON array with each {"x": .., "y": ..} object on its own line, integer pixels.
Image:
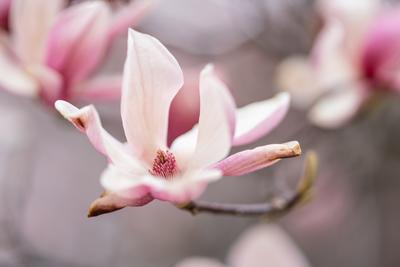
[{"x": 164, "y": 165}]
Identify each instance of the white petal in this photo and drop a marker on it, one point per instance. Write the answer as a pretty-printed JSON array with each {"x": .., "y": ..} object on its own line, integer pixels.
[
  {"x": 258, "y": 119},
  {"x": 216, "y": 122},
  {"x": 87, "y": 120},
  {"x": 14, "y": 77},
  {"x": 336, "y": 109},
  {"x": 266, "y": 245},
  {"x": 199, "y": 262},
  {"x": 152, "y": 77},
  {"x": 30, "y": 23}
]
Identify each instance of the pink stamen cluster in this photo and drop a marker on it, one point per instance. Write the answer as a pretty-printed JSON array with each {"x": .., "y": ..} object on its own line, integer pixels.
[{"x": 164, "y": 165}]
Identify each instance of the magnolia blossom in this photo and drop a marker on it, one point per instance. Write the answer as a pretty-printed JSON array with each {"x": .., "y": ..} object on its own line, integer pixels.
[
  {"x": 144, "y": 168},
  {"x": 381, "y": 51},
  {"x": 52, "y": 52},
  {"x": 4, "y": 10},
  {"x": 331, "y": 79},
  {"x": 263, "y": 245}
]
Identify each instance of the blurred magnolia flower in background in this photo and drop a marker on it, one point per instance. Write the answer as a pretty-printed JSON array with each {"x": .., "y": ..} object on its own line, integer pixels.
[
  {"x": 145, "y": 168},
  {"x": 381, "y": 51},
  {"x": 4, "y": 11},
  {"x": 332, "y": 80},
  {"x": 260, "y": 246},
  {"x": 52, "y": 52}
]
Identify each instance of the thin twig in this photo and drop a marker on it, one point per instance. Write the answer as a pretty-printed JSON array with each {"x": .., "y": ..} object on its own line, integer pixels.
[{"x": 278, "y": 206}]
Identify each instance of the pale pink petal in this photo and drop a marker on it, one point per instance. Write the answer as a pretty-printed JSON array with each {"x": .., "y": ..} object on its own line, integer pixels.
[
  {"x": 30, "y": 24},
  {"x": 258, "y": 119},
  {"x": 128, "y": 184},
  {"x": 251, "y": 160},
  {"x": 381, "y": 51},
  {"x": 129, "y": 16},
  {"x": 266, "y": 245},
  {"x": 50, "y": 82},
  {"x": 333, "y": 61},
  {"x": 87, "y": 120},
  {"x": 14, "y": 78},
  {"x": 152, "y": 77},
  {"x": 339, "y": 107},
  {"x": 109, "y": 202},
  {"x": 101, "y": 88},
  {"x": 78, "y": 40},
  {"x": 216, "y": 123},
  {"x": 296, "y": 75},
  {"x": 200, "y": 262},
  {"x": 184, "y": 188}
]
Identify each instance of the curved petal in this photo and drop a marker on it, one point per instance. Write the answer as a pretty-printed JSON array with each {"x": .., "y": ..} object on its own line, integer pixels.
[
  {"x": 251, "y": 160},
  {"x": 109, "y": 202},
  {"x": 199, "y": 262},
  {"x": 336, "y": 109},
  {"x": 14, "y": 77},
  {"x": 87, "y": 120},
  {"x": 50, "y": 82},
  {"x": 152, "y": 77},
  {"x": 258, "y": 119},
  {"x": 266, "y": 245},
  {"x": 129, "y": 16},
  {"x": 77, "y": 42},
  {"x": 185, "y": 188},
  {"x": 102, "y": 88},
  {"x": 296, "y": 76},
  {"x": 126, "y": 183},
  {"x": 216, "y": 124},
  {"x": 31, "y": 21}
]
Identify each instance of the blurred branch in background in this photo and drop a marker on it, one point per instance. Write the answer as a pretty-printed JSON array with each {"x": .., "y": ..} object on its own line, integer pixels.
[{"x": 276, "y": 207}]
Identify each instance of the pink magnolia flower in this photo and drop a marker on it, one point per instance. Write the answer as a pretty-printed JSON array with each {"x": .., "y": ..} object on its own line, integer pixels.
[
  {"x": 4, "y": 11},
  {"x": 381, "y": 51},
  {"x": 330, "y": 80},
  {"x": 52, "y": 52},
  {"x": 144, "y": 168},
  {"x": 260, "y": 246}
]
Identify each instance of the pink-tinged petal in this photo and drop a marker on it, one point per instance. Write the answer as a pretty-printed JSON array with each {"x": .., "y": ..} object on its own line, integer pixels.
[
  {"x": 199, "y": 262},
  {"x": 266, "y": 245},
  {"x": 109, "y": 202},
  {"x": 331, "y": 57},
  {"x": 14, "y": 78},
  {"x": 102, "y": 88},
  {"x": 50, "y": 83},
  {"x": 87, "y": 121},
  {"x": 129, "y": 16},
  {"x": 339, "y": 107},
  {"x": 184, "y": 188},
  {"x": 251, "y": 160},
  {"x": 381, "y": 50},
  {"x": 216, "y": 123},
  {"x": 152, "y": 77},
  {"x": 129, "y": 184},
  {"x": 31, "y": 21},
  {"x": 258, "y": 119},
  {"x": 78, "y": 40}
]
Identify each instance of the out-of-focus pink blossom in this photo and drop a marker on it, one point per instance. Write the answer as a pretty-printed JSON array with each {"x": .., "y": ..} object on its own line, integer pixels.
[
  {"x": 330, "y": 80},
  {"x": 145, "y": 168},
  {"x": 4, "y": 12},
  {"x": 263, "y": 245},
  {"x": 53, "y": 52},
  {"x": 381, "y": 51}
]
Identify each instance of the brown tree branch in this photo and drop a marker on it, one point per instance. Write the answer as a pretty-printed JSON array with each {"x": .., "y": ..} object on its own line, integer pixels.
[{"x": 278, "y": 206}]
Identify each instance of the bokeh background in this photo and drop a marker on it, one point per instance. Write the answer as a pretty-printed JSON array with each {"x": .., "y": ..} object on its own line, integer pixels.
[{"x": 49, "y": 172}]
